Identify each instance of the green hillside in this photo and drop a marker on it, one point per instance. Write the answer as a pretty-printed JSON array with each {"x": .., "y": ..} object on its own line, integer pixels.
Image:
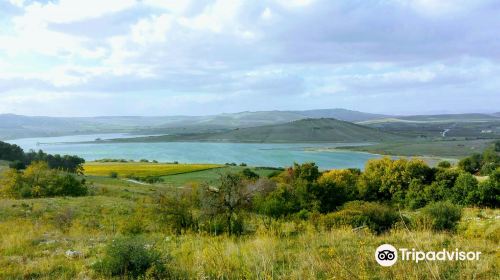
[
  {"x": 451, "y": 126},
  {"x": 306, "y": 130}
]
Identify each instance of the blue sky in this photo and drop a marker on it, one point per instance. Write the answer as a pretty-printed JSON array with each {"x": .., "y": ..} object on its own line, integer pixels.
[{"x": 169, "y": 57}]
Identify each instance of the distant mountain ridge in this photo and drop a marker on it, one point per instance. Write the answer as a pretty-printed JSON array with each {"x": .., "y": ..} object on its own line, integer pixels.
[{"x": 18, "y": 126}]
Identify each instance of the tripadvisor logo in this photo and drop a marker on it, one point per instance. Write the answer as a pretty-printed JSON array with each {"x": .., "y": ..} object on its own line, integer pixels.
[{"x": 387, "y": 255}]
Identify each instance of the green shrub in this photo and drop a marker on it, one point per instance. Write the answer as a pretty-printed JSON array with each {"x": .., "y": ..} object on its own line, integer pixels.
[
  {"x": 175, "y": 209},
  {"x": 464, "y": 191},
  {"x": 247, "y": 173},
  {"x": 133, "y": 226},
  {"x": 444, "y": 164},
  {"x": 113, "y": 174},
  {"x": 38, "y": 180},
  {"x": 377, "y": 217},
  {"x": 416, "y": 196},
  {"x": 131, "y": 257},
  {"x": 438, "y": 216},
  {"x": 488, "y": 193}
]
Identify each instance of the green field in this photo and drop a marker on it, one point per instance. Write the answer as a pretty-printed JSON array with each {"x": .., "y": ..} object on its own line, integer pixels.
[
  {"x": 451, "y": 149},
  {"x": 300, "y": 131},
  {"x": 141, "y": 169},
  {"x": 209, "y": 175}
]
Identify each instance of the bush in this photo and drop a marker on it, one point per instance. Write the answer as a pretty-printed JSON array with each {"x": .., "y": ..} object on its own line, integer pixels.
[
  {"x": 336, "y": 187},
  {"x": 175, "y": 209},
  {"x": 133, "y": 226},
  {"x": 377, "y": 217},
  {"x": 247, "y": 173},
  {"x": 64, "y": 219},
  {"x": 471, "y": 164},
  {"x": 113, "y": 174},
  {"x": 444, "y": 164},
  {"x": 489, "y": 190},
  {"x": 40, "y": 181},
  {"x": 439, "y": 216},
  {"x": 133, "y": 258},
  {"x": 416, "y": 196},
  {"x": 17, "y": 165},
  {"x": 464, "y": 192}
]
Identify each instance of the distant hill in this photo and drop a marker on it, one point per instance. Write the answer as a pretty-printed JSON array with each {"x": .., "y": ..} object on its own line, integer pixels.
[
  {"x": 17, "y": 126},
  {"x": 471, "y": 126},
  {"x": 341, "y": 114},
  {"x": 305, "y": 130}
]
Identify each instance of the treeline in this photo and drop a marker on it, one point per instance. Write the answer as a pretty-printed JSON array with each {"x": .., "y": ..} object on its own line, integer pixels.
[{"x": 20, "y": 159}]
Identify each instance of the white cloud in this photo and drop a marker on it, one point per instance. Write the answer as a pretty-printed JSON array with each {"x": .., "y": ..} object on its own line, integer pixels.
[
  {"x": 151, "y": 30},
  {"x": 65, "y": 11},
  {"x": 208, "y": 50}
]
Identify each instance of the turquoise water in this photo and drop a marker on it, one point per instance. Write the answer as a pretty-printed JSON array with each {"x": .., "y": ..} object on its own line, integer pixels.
[{"x": 277, "y": 155}]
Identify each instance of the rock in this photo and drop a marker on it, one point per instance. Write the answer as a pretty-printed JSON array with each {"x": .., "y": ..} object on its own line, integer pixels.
[{"x": 72, "y": 254}]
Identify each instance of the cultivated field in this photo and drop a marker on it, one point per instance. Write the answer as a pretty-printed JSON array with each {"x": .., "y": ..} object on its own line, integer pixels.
[{"x": 140, "y": 169}]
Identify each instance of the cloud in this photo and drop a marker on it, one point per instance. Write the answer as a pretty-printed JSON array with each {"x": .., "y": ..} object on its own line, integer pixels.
[{"x": 303, "y": 53}]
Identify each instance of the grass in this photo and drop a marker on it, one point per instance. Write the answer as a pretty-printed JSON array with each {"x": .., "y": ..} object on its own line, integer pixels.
[
  {"x": 208, "y": 175},
  {"x": 143, "y": 169},
  {"x": 451, "y": 149},
  {"x": 33, "y": 245},
  {"x": 34, "y": 239}
]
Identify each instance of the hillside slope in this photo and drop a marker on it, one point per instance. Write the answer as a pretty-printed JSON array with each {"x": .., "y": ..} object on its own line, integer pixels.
[{"x": 305, "y": 130}]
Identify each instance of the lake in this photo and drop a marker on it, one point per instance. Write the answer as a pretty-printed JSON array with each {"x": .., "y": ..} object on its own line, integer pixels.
[{"x": 276, "y": 155}]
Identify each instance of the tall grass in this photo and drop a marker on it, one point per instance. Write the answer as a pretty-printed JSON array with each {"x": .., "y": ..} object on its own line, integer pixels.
[{"x": 33, "y": 245}]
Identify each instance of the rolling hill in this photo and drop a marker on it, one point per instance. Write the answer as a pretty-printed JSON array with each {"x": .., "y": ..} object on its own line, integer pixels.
[
  {"x": 18, "y": 126},
  {"x": 464, "y": 125},
  {"x": 475, "y": 126},
  {"x": 305, "y": 130}
]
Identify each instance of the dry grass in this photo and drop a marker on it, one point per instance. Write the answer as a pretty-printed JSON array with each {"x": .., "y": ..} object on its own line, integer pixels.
[{"x": 33, "y": 245}]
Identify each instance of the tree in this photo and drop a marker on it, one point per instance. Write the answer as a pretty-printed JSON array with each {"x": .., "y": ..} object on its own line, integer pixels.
[
  {"x": 11, "y": 152},
  {"x": 489, "y": 190},
  {"x": 471, "y": 164},
  {"x": 176, "y": 209},
  {"x": 336, "y": 187},
  {"x": 227, "y": 200},
  {"x": 464, "y": 191},
  {"x": 416, "y": 195},
  {"x": 387, "y": 179},
  {"x": 38, "y": 180}
]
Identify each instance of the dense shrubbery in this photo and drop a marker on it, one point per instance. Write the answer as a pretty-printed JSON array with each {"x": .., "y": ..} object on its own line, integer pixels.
[
  {"x": 38, "y": 180},
  {"x": 131, "y": 257}
]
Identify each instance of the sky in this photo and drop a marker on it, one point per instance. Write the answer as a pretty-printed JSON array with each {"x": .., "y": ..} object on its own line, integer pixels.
[{"x": 173, "y": 57}]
